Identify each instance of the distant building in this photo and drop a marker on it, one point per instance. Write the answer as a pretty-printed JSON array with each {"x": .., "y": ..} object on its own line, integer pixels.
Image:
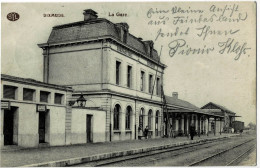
[
  {"x": 182, "y": 114},
  {"x": 228, "y": 115}
]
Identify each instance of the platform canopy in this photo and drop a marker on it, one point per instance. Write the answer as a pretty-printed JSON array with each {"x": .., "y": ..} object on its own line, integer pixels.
[{"x": 175, "y": 105}]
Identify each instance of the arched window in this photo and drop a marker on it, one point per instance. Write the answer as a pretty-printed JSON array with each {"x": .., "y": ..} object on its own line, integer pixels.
[
  {"x": 150, "y": 119},
  {"x": 117, "y": 110},
  {"x": 156, "y": 122},
  {"x": 141, "y": 119},
  {"x": 127, "y": 117}
]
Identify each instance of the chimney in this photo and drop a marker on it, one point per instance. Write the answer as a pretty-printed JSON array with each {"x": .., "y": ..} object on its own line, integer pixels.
[
  {"x": 89, "y": 14},
  {"x": 175, "y": 95}
]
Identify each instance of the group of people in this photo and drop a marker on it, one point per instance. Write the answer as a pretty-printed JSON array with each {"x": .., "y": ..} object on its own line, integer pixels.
[
  {"x": 145, "y": 132},
  {"x": 191, "y": 133}
]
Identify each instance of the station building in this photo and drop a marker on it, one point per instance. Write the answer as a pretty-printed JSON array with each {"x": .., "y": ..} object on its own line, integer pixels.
[
  {"x": 120, "y": 77},
  {"x": 112, "y": 69}
]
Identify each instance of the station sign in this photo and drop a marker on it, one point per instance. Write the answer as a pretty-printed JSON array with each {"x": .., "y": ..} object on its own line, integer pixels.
[
  {"x": 41, "y": 108},
  {"x": 5, "y": 105}
]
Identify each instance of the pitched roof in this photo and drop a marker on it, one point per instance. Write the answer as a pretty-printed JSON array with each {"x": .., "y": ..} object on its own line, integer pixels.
[
  {"x": 192, "y": 108},
  {"x": 179, "y": 102},
  {"x": 218, "y": 106},
  {"x": 214, "y": 111}
]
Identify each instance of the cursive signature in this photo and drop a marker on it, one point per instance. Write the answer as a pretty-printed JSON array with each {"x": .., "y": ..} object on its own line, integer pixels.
[{"x": 230, "y": 46}]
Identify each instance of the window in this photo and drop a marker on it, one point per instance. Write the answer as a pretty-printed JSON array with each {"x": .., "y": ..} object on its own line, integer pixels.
[
  {"x": 150, "y": 83},
  {"x": 28, "y": 94},
  {"x": 156, "y": 122},
  {"x": 127, "y": 117},
  {"x": 9, "y": 92},
  {"x": 118, "y": 72},
  {"x": 157, "y": 86},
  {"x": 150, "y": 119},
  {"x": 141, "y": 119},
  {"x": 142, "y": 81},
  {"x": 44, "y": 96},
  {"x": 116, "y": 116},
  {"x": 129, "y": 76},
  {"x": 58, "y": 98}
]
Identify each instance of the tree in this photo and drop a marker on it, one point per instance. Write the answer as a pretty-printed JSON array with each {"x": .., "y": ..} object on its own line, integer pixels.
[{"x": 252, "y": 126}]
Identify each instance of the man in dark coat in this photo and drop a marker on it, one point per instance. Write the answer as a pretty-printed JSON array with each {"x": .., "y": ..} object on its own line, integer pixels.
[
  {"x": 192, "y": 131},
  {"x": 146, "y": 130}
]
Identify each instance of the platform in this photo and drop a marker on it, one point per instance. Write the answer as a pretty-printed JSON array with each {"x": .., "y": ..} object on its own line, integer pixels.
[{"x": 68, "y": 155}]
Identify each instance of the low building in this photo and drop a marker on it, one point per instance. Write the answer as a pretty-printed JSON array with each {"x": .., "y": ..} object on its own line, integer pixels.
[
  {"x": 182, "y": 114},
  {"x": 228, "y": 115},
  {"x": 35, "y": 113}
]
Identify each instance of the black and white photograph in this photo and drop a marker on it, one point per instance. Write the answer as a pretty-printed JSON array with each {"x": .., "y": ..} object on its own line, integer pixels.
[{"x": 128, "y": 84}]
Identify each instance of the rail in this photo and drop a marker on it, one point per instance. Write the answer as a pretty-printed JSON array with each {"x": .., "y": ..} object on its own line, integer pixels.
[
  {"x": 219, "y": 153},
  {"x": 151, "y": 153},
  {"x": 240, "y": 156}
]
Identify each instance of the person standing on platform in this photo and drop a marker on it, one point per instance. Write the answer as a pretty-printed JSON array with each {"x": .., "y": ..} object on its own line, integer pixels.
[
  {"x": 192, "y": 131},
  {"x": 146, "y": 130},
  {"x": 171, "y": 132}
]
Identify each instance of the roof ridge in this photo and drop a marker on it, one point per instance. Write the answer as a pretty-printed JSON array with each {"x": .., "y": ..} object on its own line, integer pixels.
[
  {"x": 90, "y": 21},
  {"x": 221, "y": 106}
]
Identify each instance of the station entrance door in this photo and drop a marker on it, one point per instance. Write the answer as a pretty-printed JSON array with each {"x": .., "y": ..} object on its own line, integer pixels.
[
  {"x": 42, "y": 118},
  {"x": 10, "y": 126},
  {"x": 89, "y": 128}
]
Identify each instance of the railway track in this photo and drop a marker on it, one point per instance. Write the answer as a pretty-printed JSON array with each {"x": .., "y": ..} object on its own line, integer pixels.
[
  {"x": 239, "y": 158},
  {"x": 157, "y": 157},
  {"x": 235, "y": 161},
  {"x": 181, "y": 150}
]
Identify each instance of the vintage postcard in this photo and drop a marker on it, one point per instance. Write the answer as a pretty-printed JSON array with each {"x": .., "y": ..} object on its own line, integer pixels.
[{"x": 126, "y": 84}]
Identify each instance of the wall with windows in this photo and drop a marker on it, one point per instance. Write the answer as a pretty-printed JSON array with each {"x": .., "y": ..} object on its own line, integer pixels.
[
  {"x": 152, "y": 117},
  {"x": 96, "y": 66},
  {"x": 24, "y": 98},
  {"x": 143, "y": 80},
  {"x": 106, "y": 66},
  {"x": 125, "y": 126}
]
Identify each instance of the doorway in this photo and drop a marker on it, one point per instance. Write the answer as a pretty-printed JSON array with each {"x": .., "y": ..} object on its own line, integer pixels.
[
  {"x": 42, "y": 118},
  {"x": 8, "y": 127},
  {"x": 89, "y": 128}
]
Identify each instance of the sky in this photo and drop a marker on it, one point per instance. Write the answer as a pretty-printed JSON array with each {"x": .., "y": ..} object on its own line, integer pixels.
[{"x": 200, "y": 78}]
